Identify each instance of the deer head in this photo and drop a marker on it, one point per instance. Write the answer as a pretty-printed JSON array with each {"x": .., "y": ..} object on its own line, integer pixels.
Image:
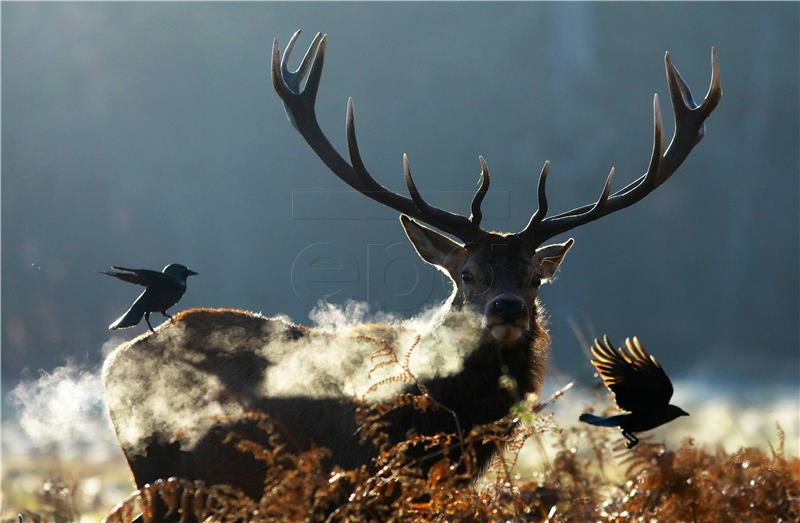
[{"x": 494, "y": 274}]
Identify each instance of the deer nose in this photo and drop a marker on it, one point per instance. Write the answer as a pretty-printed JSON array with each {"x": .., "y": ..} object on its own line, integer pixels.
[{"x": 508, "y": 308}]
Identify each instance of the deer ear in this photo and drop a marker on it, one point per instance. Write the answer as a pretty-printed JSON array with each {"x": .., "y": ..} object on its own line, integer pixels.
[
  {"x": 549, "y": 257},
  {"x": 433, "y": 247}
]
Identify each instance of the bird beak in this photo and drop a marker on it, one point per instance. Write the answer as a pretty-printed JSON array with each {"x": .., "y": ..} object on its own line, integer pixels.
[
  {"x": 190, "y": 272},
  {"x": 684, "y": 413}
]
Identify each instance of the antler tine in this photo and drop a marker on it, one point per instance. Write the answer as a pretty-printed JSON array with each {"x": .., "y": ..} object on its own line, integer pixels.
[
  {"x": 682, "y": 100},
  {"x": 714, "y": 95},
  {"x": 288, "y": 51},
  {"x": 294, "y": 79},
  {"x": 541, "y": 211},
  {"x": 421, "y": 204},
  {"x": 689, "y": 130},
  {"x": 541, "y": 191},
  {"x": 476, "y": 215},
  {"x": 601, "y": 201},
  {"x": 658, "y": 144},
  {"x": 647, "y": 182},
  {"x": 287, "y": 83},
  {"x": 363, "y": 181},
  {"x": 299, "y": 105}
]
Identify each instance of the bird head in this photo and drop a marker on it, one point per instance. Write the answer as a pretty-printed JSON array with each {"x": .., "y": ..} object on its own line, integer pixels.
[{"x": 179, "y": 271}]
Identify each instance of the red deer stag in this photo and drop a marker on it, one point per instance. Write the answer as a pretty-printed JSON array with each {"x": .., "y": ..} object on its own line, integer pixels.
[{"x": 174, "y": 395}]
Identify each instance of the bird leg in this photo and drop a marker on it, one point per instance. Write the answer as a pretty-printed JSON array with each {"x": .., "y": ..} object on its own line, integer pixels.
[
  {"x": 147, "y": 319},
  {"x": 164, "y": 313},
  {"x": 632, "y": 440}
]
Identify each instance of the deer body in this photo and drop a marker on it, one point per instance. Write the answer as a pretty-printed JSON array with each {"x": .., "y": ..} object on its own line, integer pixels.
[{"x": 175, "y": 395}]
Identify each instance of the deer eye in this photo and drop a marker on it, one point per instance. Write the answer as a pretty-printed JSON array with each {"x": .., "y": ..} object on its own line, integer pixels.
[{"x": 467, "y": 277}]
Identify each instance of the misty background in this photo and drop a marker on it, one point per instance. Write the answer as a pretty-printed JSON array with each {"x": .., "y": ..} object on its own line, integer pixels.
[{"x": 145, "y": 134}]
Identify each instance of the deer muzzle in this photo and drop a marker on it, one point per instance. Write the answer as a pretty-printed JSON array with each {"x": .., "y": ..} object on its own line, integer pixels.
[{"x": 507, "y": 317}]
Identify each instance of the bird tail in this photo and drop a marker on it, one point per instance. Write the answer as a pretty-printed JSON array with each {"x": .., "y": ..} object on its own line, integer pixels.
[
  {"x": 132, "y": 317},
  {"x": 600, "y": 421}
]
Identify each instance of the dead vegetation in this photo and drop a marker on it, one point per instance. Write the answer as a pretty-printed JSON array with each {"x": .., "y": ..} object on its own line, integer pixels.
[
  {"x": 588, "y": 479},
  {"x": 583, "y": 474}
]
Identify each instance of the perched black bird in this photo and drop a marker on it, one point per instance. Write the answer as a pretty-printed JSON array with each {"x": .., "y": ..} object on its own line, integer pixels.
[
  {"x": 639, "y": 385},
  {"x": 164, "y": 289}
]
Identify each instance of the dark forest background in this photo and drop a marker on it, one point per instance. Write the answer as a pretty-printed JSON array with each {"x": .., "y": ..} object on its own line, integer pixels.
[{"x": 144, "y": 134}]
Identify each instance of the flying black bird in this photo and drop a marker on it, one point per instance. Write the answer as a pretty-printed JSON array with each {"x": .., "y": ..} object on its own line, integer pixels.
[
  {"x": 164, "y": 289},
  {"x": 639, "y": 385}
]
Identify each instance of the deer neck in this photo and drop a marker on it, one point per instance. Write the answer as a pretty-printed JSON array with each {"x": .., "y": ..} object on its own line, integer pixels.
[{"x": 495, "y": 375}]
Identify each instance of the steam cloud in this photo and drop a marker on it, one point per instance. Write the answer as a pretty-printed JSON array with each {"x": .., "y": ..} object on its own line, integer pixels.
[
  {"x": 63, "y": 410},
  {"x": 353, "y": 353},
  {"x": 177, "y": 384}
]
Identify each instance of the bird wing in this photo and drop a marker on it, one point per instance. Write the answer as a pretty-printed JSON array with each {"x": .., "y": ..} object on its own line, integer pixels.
[
  {"x": 144, "y": 277},
  {"x": 634, "y": 377}
]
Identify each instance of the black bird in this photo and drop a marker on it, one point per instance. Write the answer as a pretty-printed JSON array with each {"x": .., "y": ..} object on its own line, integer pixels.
[
  {"x": 639, "y": 385},
  {"x": 164, "y": 289}
]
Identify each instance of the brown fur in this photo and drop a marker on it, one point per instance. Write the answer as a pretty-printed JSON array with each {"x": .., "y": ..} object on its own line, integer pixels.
[{"x": 225, "y": 346}]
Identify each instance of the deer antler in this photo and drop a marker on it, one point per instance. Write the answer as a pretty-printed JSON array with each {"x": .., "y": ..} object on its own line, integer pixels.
[
  {"x": 689, "y": 130},
  {"x": 299, "y": 105}
]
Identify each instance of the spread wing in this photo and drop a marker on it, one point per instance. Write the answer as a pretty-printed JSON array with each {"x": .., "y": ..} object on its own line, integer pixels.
[
  {"x": 634, "y": 377},
  {"x": 144, "y": 277}
]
